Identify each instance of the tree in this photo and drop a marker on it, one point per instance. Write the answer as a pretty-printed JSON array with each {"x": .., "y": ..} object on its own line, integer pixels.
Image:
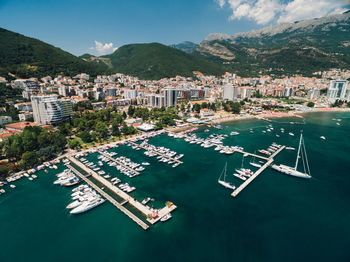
[
  {"x": 4, "y": 170},
  {"x": 158, "y": 126},
  {"x": 85, "y": 136},
  {"x": 131, "y": 111},
  {"x": 236, "y": 108},
  {"x": 101, "y": 129},
  {"x": 115, "y": 129},
  {"x": 125, "y": 129},
  {"x": 124, "y": 115},
  {"x": 74, "y": 143},
  {"x": 311, "y": 104},
  {"x": 29, "y": 159}
]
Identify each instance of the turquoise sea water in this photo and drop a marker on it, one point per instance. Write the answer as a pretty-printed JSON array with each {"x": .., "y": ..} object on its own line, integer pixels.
[{"x": 276, "y": 218}]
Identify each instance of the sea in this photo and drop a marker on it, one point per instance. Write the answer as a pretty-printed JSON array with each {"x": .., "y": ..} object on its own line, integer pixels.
[{"x": 275, "y": 218}]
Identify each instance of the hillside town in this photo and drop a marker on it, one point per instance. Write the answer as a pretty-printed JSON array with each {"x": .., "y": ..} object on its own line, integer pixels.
[{"x": 82, "y": 110}]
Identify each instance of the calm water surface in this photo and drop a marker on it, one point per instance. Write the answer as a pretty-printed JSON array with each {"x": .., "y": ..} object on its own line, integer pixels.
[{"x": 276, "y": 218}]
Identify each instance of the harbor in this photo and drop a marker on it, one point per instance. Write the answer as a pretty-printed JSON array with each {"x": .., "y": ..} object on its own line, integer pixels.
[
  {"x": 152, "y": 216},
  {"x": 193, "y": 187},
  {"x": 257, "y": 173}
]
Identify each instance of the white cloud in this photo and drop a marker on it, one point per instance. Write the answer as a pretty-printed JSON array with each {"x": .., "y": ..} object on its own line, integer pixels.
[
  {"x": 103, "y": 49},
  {"x": 221, "y": 3},
  {"x": 304, "y": 9},
  {"x": 267, "y": 11}
]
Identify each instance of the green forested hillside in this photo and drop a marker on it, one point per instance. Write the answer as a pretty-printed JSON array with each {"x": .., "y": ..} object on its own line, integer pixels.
[
  {"x": 155, "y": 61},
  {"x": 29, "y": 57}
]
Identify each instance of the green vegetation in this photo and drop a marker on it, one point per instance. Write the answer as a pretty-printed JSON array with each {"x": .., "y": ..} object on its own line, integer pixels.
[
  {"x": 297, "y": 51},
  {"x": 340, "y": 103},
  {"x": 310, "y": 104},
  {"x": 234, "y": 107},
  {"x": 28, "y": 57},
  {"x": 33, "y": 146},
  {"x": 156, "y": 61}
]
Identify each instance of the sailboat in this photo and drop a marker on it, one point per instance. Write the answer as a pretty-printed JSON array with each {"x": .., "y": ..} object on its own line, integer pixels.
[
  {"x": 223, "y": 181},
  {"x": 253, "y": 163},
  {"x": 293, "y": 170}
]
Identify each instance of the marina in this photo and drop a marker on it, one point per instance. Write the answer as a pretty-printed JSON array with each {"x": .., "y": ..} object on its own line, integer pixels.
[
  {"x": 143, "y": 146},
  {"x": 270, "y": 208},
  {"x": 119, "y": 162},
  {"x": 152, "y": 216}
]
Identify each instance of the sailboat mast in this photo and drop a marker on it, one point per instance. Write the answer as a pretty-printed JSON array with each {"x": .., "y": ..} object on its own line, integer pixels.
[{"x": 296, "y": 162}]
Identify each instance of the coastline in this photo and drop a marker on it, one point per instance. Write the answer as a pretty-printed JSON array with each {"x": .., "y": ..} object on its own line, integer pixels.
[
  {"x": 264, "y": 116},
  {"x": 269, "y": 114}
]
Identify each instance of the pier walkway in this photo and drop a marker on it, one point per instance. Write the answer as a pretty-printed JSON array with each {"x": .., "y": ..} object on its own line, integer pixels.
[
  {"x": 143, "y": 209},
  {"x": 258, "y": 172},
  {"x": 118, "y": 162},
  {"x": 109, "y": 198},
  {"x": 158, "y": 153}
]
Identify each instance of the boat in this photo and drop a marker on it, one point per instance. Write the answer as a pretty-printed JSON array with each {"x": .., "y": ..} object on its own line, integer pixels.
[
  {"x": 166, "y": 217},
  {"x": 291, "y": 134},
  {"x": 253, "y": 163},
  {"x": 234, "y": 133},
  {"x": 145, "y": 201},
  {"x": 290, "y": 148},
  {"x": 223, "y": 181},
  {"x": 293, "y": 170},
  {"x": 87, "y": 205},
  {"x": 12, "y": 186},
  {"x": 240, "y": 176},
  {"x": 145, "y": 163},
  {"x": 322, "y": 137}
]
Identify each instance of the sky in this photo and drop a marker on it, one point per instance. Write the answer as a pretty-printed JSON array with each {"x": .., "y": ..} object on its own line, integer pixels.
[{"x": 99, "y": 27}]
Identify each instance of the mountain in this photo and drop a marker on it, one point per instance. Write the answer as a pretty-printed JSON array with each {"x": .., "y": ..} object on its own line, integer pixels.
[
  {"x": 301, "y": 47},
  {"x": 186, "y": 46},
  {"x": 28, "y": 57},
  {"x": 156, "y": 61}
]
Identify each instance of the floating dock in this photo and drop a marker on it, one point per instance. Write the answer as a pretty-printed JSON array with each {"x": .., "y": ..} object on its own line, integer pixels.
[
  {"x": 110, "y": 199},
  {"x": 158, "y": 153},
  {"x": 118, "y": 162},
  {"x": 258, "y": 172},
  {"x": 143, "y": 209}
]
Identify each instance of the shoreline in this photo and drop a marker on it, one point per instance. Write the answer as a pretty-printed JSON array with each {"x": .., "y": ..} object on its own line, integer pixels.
[{"x": 266, "y": 115}]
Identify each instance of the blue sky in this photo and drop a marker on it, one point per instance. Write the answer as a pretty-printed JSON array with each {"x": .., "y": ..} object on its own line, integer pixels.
[{"x": 98, "y": 27}]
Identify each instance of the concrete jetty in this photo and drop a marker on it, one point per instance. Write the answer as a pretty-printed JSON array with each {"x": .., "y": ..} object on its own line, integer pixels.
[
  {"x": 109, "y": 198},
  {"x": 158, "y": 153},
  {"x": 257, "y": 173},
  {"x": 143, "y": 209},
  {"x": 118, "y": 162}
]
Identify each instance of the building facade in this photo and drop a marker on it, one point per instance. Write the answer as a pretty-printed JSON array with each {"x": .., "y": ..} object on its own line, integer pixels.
[
  {"x": 338, "y": 89},
  {"x": 47, "y": 109},
  {"x": 170, "y": 97}
]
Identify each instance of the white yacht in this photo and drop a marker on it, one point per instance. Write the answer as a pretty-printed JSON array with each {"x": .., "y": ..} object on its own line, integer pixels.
[
  {"x": 223, "y": 181},
  {"x": 87, "y": 205},
  {"x": 166, "y": 217},
  {"x": 293, "y": 170}
]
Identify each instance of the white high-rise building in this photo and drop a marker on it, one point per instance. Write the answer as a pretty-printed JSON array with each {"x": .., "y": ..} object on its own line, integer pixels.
[
  {"x": 155, "y": 100},
  {"x": 230, "y": 92},
  {"x": 170, "y": 97},
  {"x": 130, "y": 93},
  {"x": 47, "y": 109},
  {"x": 338, "y": 89}
]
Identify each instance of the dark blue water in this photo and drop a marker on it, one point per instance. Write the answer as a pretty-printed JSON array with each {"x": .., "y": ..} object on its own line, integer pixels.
[{"x": 276, "y": 218}]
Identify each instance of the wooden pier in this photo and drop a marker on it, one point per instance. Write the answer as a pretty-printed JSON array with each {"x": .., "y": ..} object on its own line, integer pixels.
[
  {"x": 158, "y": 153},
  {"x": 143, "y": 209},
  {"x": 254, "y": 155},
  {"x": 258, "y": 172},
  {"x": 119, "y": 163},
  {"x": 109, "y": 198}
]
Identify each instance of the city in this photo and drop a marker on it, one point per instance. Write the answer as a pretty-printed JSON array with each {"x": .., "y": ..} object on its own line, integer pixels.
[{"x": 180, "y": 131}]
